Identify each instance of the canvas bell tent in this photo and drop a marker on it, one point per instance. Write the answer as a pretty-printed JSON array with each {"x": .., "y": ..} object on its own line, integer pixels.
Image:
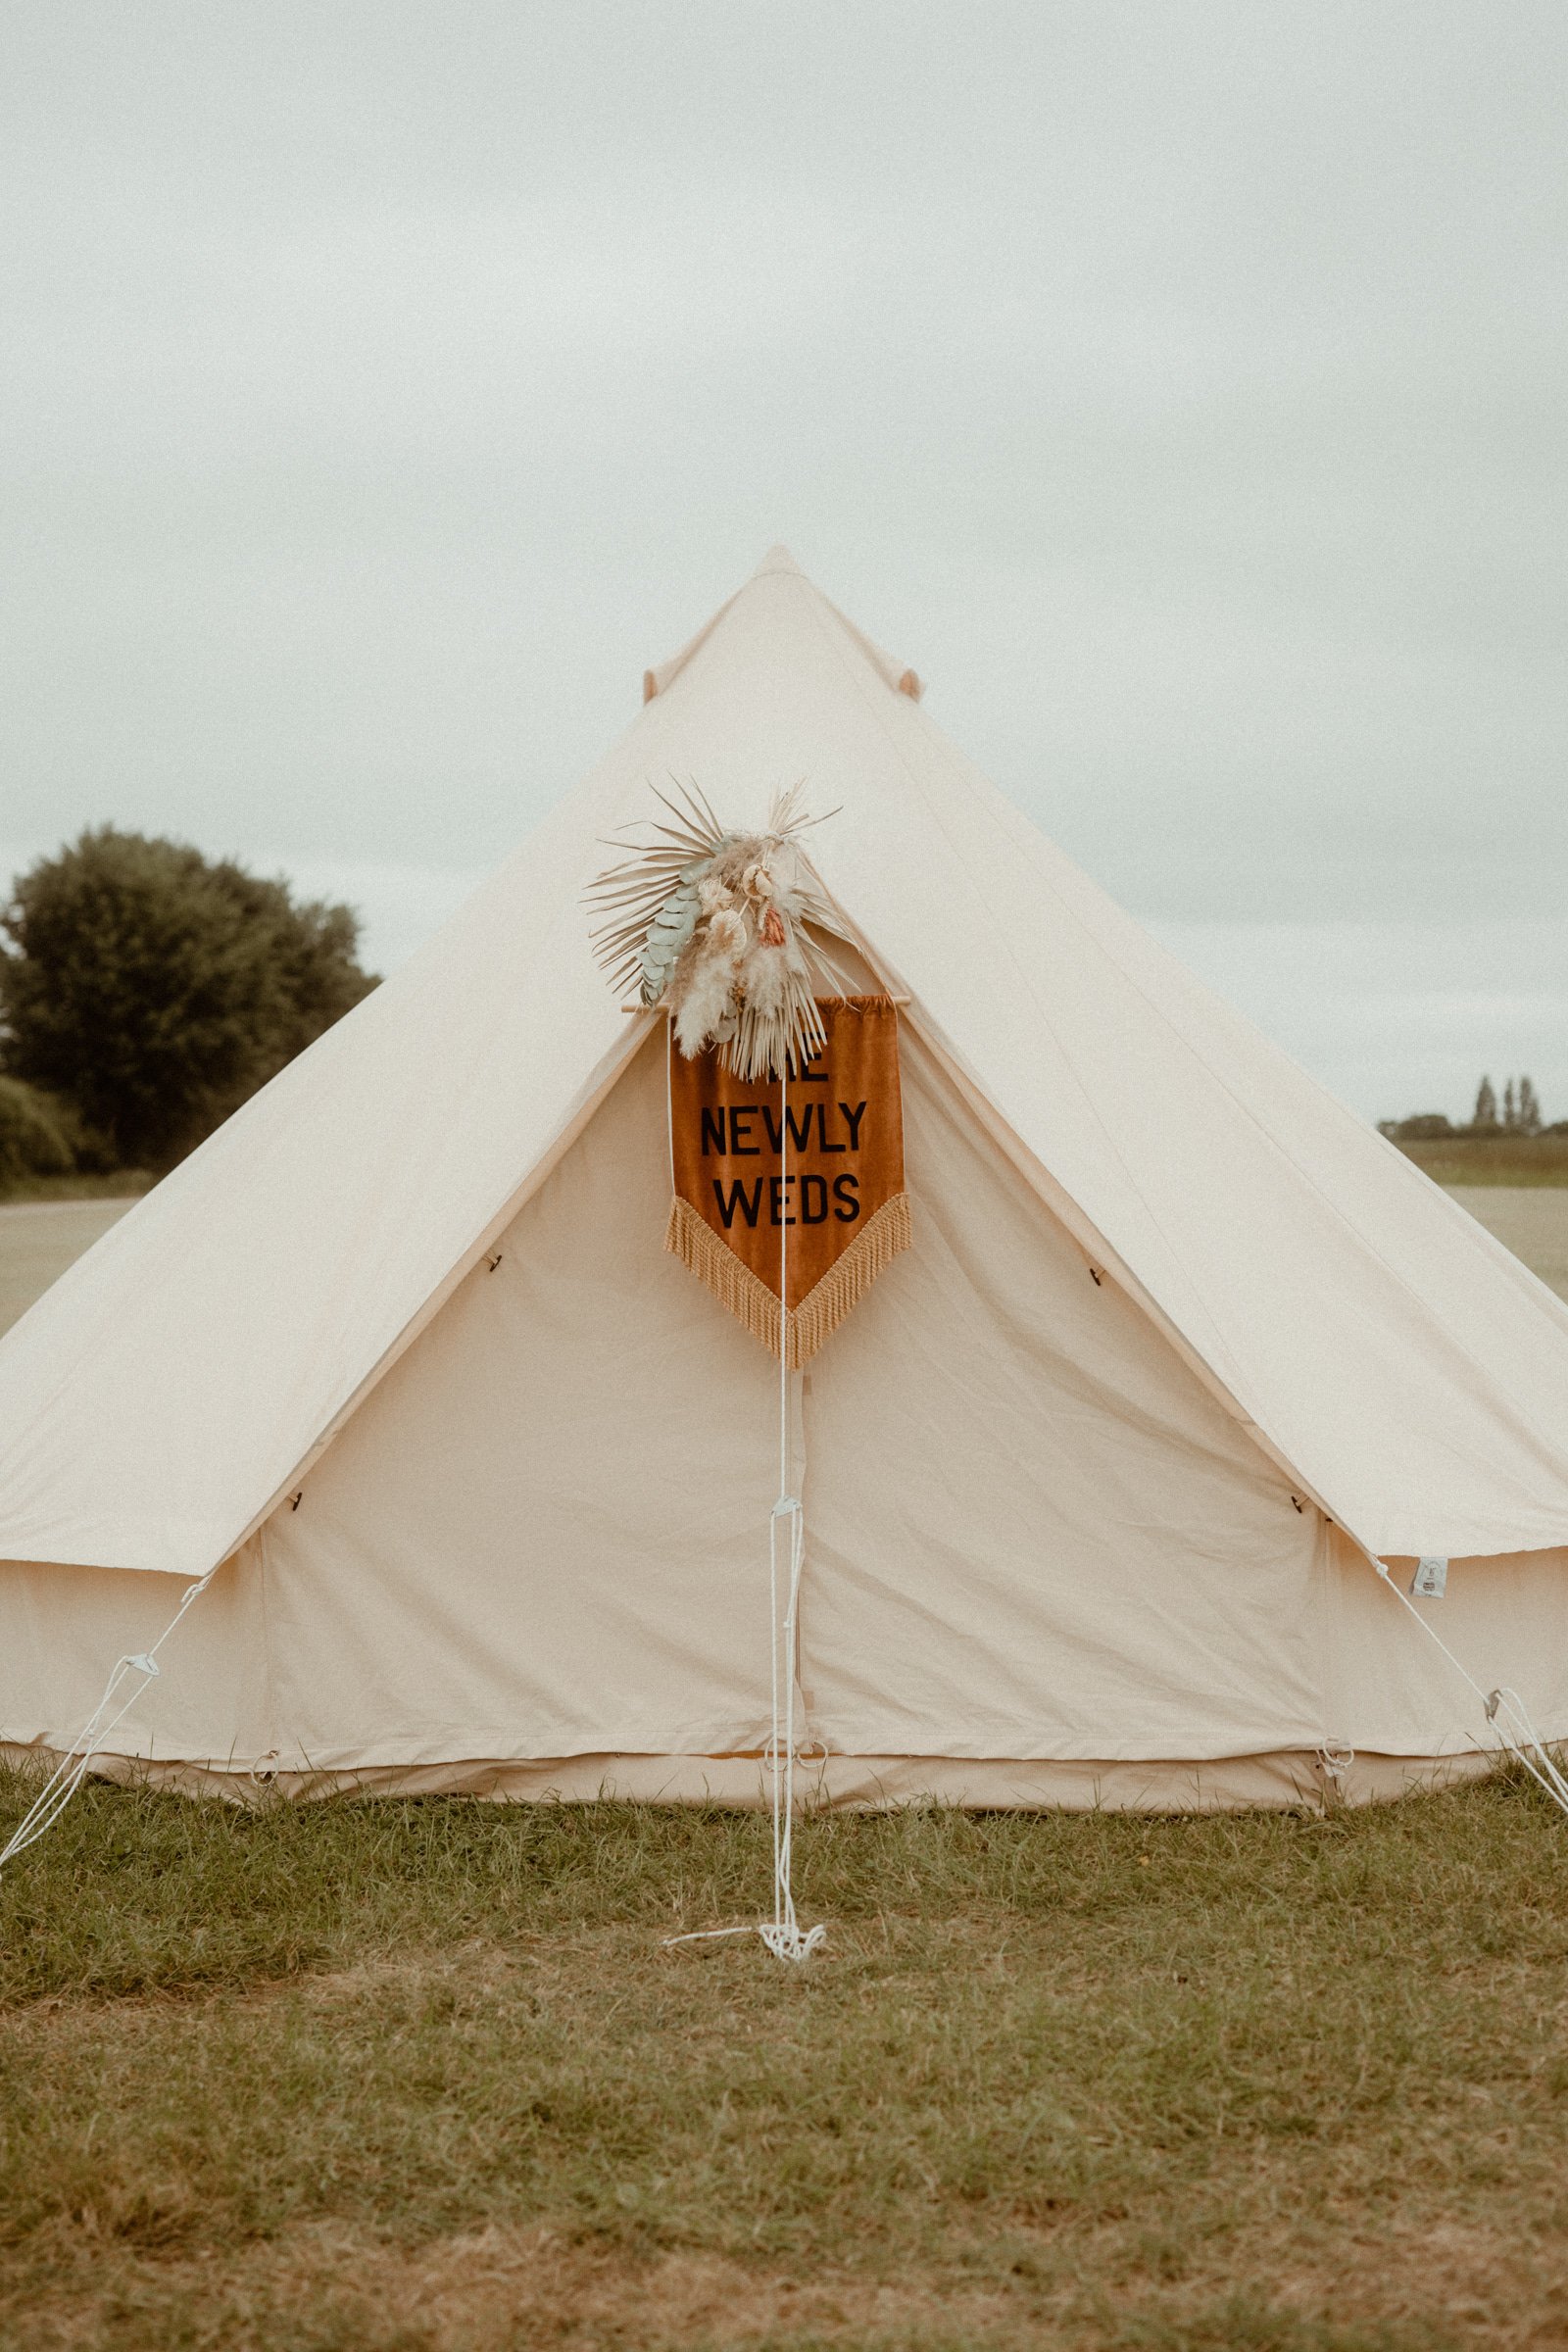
[{"x": 1096, "y": 1475}]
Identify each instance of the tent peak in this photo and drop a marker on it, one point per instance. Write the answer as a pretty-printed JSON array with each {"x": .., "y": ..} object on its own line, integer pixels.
[
  {"x": 777, "y": 558},
  {"x": 779, "y": 564}
]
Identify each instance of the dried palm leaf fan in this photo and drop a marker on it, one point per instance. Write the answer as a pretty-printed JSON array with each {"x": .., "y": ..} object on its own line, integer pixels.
[{"x": 712, "y": 925}]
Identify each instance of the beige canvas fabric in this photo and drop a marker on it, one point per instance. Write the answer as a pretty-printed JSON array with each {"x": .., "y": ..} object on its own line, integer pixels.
[
  {"x": 1035, "y": 1537},
  {"x": 1412, "y": 1374},
  {"x": 1051, "y": 1519}
]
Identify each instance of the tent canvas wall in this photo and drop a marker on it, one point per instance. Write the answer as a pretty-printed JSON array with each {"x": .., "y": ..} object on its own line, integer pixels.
[{"x": 1095, "y": 1475}]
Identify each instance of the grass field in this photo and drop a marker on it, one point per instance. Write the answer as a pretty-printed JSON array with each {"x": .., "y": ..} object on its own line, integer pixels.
[
  {"x": 123, "y": 1184},
  {"x": 1514, "y": 1159},
  {"x": 424, "y": 2077}
]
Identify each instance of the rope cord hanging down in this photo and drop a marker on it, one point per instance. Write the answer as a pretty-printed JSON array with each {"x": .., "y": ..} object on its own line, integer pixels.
[
  {"x": 782, "y": 1934},
  {"x": 72, "y": 1769},
  {"x": 1503, "y": 1707}
]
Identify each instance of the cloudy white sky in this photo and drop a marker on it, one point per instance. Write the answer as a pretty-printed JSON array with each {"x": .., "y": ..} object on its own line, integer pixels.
[{"x": 1179, "y": 388}]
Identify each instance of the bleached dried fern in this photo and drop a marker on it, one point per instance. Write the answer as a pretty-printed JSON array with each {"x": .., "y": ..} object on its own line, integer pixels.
[{"x": 714, "y": 925}]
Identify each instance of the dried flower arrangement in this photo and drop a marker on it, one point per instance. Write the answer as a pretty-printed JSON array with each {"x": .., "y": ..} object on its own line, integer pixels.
[{"x": 714, "y": 925}]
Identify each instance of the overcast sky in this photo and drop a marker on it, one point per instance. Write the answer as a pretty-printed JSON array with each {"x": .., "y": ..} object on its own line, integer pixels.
[{"x": 1179, "y": 388}]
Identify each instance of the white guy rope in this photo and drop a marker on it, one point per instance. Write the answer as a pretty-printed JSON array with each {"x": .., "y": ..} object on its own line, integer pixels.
[
  {"x": 782, "y": 1932},
  {"x": 1503, "y": 1707},
  {"x": 72, "y": 1769},
  {"x": 782, "y": 1936}
]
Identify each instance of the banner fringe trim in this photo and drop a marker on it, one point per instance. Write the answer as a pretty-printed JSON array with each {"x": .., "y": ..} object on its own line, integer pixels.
[{"x": 746, "y": 1297}]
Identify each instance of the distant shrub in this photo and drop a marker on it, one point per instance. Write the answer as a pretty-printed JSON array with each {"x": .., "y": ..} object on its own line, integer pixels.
[
  {"x": 1424, "y": 1128},
  {"x": 36, "y": 1134}
]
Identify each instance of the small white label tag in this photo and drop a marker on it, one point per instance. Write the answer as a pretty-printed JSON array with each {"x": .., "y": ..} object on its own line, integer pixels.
[{"x": 1431, "y": 1580}]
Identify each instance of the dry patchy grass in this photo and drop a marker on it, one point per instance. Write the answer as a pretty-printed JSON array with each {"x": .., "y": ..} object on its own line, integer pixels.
[
  {"x": 423, "y": 2076},
  {"x": 1461, "y": 1159}
]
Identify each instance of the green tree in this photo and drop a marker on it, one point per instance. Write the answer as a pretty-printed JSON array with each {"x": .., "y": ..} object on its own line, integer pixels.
[
  {"x": 1486, "y": 1112},
  {"x": 155, "y": 990},
  {"x": 34, "y": 1139},
  {"x": 1529, "y": 1113}
]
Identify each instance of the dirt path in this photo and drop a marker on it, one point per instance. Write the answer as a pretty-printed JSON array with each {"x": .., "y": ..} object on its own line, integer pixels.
[
  {"x": 38, "y": 1239},
  {"x": 1530, "y": 1220}
]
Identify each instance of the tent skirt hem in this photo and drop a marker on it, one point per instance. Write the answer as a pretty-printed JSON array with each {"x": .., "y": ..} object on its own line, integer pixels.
[{"x": 1286, "y": 1779}]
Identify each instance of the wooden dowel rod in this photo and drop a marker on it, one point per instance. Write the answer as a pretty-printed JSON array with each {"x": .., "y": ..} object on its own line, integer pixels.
[{"x": 664, "y": 1009}]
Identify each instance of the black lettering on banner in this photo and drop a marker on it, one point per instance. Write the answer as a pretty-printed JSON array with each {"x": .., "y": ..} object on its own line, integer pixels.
[
  {"x": 847, "y": 1192},
  {"x": 799, "y": 1123},
  {"x": 814, "y": 1200},
  {"x": 778, "y": 1186},
  {"x": 796, "y": 1124},
  {"x": 855, "y": 1118},
  {"x": 806, "y": 1070},
  {"x": 748, "y": 1150},
  {"x": 749, "y": 1203},
  {"x": 713, "y": 1133}
]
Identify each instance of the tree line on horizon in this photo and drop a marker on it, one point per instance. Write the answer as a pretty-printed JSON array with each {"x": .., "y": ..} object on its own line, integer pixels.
[
  {"x": 146, "y": 992},
  {"x": 1518, "y": 1115}
]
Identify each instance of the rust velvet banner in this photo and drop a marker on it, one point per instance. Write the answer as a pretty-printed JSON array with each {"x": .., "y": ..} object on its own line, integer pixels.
[{"x": 803, "y": 1177}]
